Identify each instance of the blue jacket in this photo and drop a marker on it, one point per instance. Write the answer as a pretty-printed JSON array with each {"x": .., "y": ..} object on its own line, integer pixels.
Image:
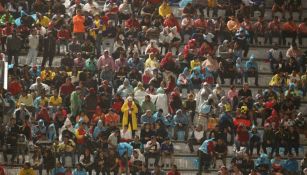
[
  {"x": 204, "y": 146},
  {"x": 98, "y": 129},
  {"x": 181, "y": 118},
  {"x": 251, "y": 63},
  {"x": 56, "y": 171},
  {"x": 146, "y": 119},
  {"x": 157, "y": 116},
  {"x": 123, "y": 147},
  {"x": 79, "y": 172},
  {"x": 290, "y": 165},
  {"x": 51, "y": 132}
]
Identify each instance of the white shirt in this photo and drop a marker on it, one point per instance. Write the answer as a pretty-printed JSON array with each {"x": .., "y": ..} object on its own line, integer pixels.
[
  {"x": 125, "y": 8},
  {"x": 33, "y": 41},
  {"x": 152, "y": 148},
  {"x": 126, "y": 134}
]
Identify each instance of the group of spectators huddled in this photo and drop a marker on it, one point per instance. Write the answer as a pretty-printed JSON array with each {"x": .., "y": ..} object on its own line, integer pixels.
[{"x": 135, "y": 78}]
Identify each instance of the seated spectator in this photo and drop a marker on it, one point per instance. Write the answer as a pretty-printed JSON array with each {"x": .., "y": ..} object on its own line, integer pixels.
[
  {"x": 146, "y": 133},
  {"x": 187, "y": 25},
  {"x": 279, "y": 6},
  {"x": 257, "y": 5},
  {"x": 274, "y": 30},
  {"x": 295, "y": 6},
  {"x": 289, "y": 29},
  {"x": 181, "y": 123},
  {"x": 137, "y": 160},
  {"x": 79, "y": 170},
  {"x": 125, "y": 134},
  {"x": 291, "y": 165},
  {"x": 302, "y": 31},
  {"x": 167, "y": 151},
  {"x": 251, "y": 69},
  {"x": 296, "y": 53},
  {"x": 198, "y": 137},
  {"x": 67, "y": 148},
  {"x": 152, "y": 150},
  {"x": 87, "y": 161},
  {"x": 164, "y": 9}
]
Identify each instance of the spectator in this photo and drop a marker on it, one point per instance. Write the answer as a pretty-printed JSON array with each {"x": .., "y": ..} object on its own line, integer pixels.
[
  {"x": 167, "y": 151},
  {"x": 205, "y": 154},
  {"x": 27, "y": 169},
  {"x": 279, "y": 6},
  {"x": 181, "y": 123},
  {"x": 274, "y": 29},
  {"x": 302, "y": 31},
  {"x": 13, "y": 46},
  {"x": 78, "y": 22},
  {"x": 198, "y": 136},
  {"x": 152, "y": 149},
  {"x": 289, "y": 29}
]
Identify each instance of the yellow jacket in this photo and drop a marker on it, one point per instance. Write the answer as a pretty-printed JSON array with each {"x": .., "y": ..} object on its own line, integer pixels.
[
  {"x": 29, "y": 171},
  {"x": 134, "y": 110},
  {"x": 164, "y": 10},
  {"x": 276, "y": 80}
]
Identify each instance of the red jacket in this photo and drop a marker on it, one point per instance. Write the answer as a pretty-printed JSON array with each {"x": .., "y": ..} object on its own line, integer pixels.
[
  {"x": 14, "y": 88},
  {"x": 242, "y": 135}
]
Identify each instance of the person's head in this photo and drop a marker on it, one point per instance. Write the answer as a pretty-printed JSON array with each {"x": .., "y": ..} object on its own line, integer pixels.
[
  {"x": 153, "y": 139},
  {"x": 27, "y": 165},
  {"x": 136, "y": 138},
  {"x": 294, "y": 45},
  {"x": 79, "y": 12},
  {"x": 148, "y": 113},
  {"x": 13, "y": 121},
  {"x": 174, "y": 168},
  {"x": 135, "y": 153}
]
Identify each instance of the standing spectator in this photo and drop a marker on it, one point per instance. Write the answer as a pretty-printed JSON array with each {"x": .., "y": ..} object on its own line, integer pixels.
[
  {"x": 75, "y": 101},
  {"x": 129, "y": 110},
  {"x": 205, "y": 155},
  {"x": 26, "y": 169},
  {"x": 295, "y": 6},
  {"x": 13, "y": 46},
  {"x": 49, "y": 47},
  {"x": 79, "y": 25},
  {"x": 33, "y": 48}
]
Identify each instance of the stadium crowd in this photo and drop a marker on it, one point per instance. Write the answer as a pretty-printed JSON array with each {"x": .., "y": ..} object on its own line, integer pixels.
[{"x": 135, "y": 80}]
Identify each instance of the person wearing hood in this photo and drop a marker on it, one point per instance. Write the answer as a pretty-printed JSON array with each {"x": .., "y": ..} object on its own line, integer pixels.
[
  {"x": 175, "y": 102},
  {"x": 223, "y": 50},
  {"x": 137, "y": 160},
  {"x": 183, "y": 80},
  {"x": 203, "y": 95},
  {"x": 181, "y": 121},
  {"x": 98, "y": 129},
  {"x": 130, "y": 110},
  {"x": 190, "y": 50},
  {"x": 51, "y": 134},
  {"x": 124, "y": 151},
  {"x": 196, "y": 78},
  {"x": 40, "y": 130},
  {"x": 291, "y": 166},
  {"x": 254, "y": 140},
  {"x": 218, "y": 92},
  {"x": 125, "y": 89},
  {"x": 147, "y": 104},
  {"x": 251, "y": 69}
]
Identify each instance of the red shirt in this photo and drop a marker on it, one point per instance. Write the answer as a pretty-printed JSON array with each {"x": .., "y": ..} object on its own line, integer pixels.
[
  {"x": 14, "y": 88},
  {"x": 242, "y": 136},
  {"x": 171, "y": 23},
  {"x": 80, "y": 132},
  {"x": 66, "y": 89},
  {"x": 64, "y": 34},
  {"x": 132, "y": 23}
]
